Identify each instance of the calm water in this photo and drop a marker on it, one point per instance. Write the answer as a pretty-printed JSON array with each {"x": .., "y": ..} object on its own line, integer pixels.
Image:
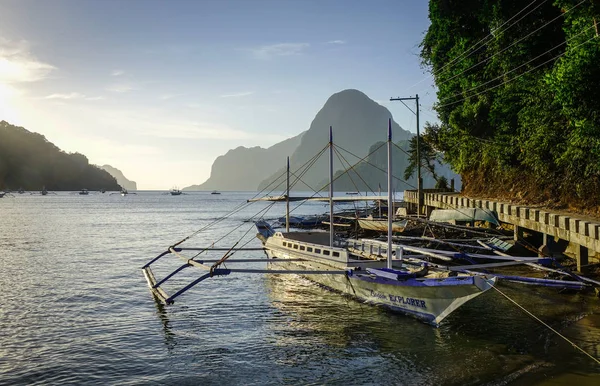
[{"x": 75, "y": 308}]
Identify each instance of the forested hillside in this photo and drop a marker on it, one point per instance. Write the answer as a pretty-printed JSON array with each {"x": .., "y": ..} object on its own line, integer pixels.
[
  {"x": 518, "y": 97},
  {"x": 29, "y": 161}
]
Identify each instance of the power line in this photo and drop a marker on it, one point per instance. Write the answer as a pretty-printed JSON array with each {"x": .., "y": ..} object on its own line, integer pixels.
[
  {"x": 516, "y": 42},
  {"x": 477, "y": 45},
  {"x": 516, "y": 77}
]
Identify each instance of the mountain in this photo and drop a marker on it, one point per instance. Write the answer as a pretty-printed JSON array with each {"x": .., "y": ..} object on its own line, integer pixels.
[
  {"x": 29, "y": 161},
  {"x": 357, "y": 122},
  {"x": 242, "y": 168},
  {"x": 121, "y": 179}
]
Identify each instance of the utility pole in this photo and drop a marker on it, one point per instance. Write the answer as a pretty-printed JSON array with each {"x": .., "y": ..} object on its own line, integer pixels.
[{"x": 419, "y": 180}]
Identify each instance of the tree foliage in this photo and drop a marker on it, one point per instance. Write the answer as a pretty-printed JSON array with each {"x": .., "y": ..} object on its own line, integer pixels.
[
  {"x": 518, "y": 98},
  {"x": 29, "y": 161},
  {"x": 427, "y": 154}
]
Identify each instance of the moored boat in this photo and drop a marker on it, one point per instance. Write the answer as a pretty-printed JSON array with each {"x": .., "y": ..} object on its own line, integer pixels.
[
  {"x": 381, "y": 224},
  {"x": 428, "y": 296}
]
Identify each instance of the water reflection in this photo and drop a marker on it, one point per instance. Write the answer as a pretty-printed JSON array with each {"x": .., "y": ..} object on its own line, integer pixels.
[
  {"x": 169, "y": 335},
  {"x": 489, "y": 339}
]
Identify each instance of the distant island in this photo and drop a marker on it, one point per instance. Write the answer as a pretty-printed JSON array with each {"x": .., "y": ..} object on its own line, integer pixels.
[
  {"x": 29, "y": 161},
  {"x": 358, "y": 123},
  {"x": 121, "y": 179}
]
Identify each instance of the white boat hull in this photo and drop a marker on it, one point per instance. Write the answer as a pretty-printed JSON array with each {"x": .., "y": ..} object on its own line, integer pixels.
[{"x": 430, "y": 300}]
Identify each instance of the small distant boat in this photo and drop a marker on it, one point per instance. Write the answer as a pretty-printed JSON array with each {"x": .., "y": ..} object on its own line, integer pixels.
[
  {"x": 43, "y": 192},
  {"x": 123, "y": 192},
  {"x": 84, "y": 192},
  {"x": 175, "y": 192},
  {"x": 215, "y": 192}
]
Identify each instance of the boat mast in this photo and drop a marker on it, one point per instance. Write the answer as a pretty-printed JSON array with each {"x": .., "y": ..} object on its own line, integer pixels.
[
  {"x": 390, "y": 198},
  {"x": 287, "y": 198},
  {"x": 330, "y": 186}
]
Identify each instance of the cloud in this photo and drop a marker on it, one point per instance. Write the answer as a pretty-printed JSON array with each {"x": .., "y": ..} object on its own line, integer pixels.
[
  {"x": 18, "y": 65},
  {"x": 281, "y": 49},
  {"x": 336, "y": 42},
  {"x": 120, "y": 88},
  {"x": 166, "y": 97},
  {"x": 117, "y": 72},
  {"x": 237, "y": 94},
  {"x": 73, "y": 95}
]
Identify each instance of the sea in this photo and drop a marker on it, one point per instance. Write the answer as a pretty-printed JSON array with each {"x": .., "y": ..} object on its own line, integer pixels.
[{"x": 75, "y": 308}]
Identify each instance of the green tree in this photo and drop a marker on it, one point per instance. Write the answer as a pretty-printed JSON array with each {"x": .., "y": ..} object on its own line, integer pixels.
[{"x": 517, "y": 96}]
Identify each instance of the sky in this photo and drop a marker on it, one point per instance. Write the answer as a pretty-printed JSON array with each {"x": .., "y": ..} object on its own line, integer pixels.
[{"x": 159, "y": 89}]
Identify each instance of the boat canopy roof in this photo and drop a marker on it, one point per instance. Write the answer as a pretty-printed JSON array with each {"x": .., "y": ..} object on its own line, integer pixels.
[{"x": 464, "y": 214}]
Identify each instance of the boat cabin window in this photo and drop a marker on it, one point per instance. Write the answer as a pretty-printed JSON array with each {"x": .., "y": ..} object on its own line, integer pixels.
[
  {"x": 309, "y": 249},
  {"x": 336, "y": 254},
  {"x": 284, "y": 244},
  {"x": 326, "y": 252},
  {"x": 295, "y": 246},
  {"x": 317, "y": 250},
  {"x": 302, "y": 247}
]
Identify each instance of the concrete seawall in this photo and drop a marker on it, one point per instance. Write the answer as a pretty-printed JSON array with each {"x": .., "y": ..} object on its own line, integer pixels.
[{"x": 582, "y": 236}]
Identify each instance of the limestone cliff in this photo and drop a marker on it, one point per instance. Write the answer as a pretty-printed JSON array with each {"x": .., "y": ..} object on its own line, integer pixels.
[
  {"x": 121, "y": 179},
  {"x": 243, "y": 168}
]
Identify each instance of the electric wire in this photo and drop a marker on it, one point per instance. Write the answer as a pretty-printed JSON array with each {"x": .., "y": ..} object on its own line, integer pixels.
[
  {"x": 516, "y": 77},
  {"x": 516, "y": 42},
  {"x": 516, "y": 68},
  {"x": 477, "y": 45}
]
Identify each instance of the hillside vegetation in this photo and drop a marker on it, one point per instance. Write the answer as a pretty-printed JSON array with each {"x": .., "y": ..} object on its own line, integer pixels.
[
  {"x": 518, "y": 97},
  {"x": 29, "y": 161}
]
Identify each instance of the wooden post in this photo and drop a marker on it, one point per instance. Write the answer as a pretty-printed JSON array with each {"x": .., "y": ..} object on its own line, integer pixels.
[
  {"x": 582, "y": 258},
  {"x": 518, "y": 233}
]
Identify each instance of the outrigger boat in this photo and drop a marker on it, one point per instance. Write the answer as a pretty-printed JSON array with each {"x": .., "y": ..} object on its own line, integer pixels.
[
  {"x": 381, "y": 224},
  {"x": 371, "y": 272}
]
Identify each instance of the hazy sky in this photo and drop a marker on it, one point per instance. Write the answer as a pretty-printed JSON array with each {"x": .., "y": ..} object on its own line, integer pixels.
[{"x": 159, "y": 89}]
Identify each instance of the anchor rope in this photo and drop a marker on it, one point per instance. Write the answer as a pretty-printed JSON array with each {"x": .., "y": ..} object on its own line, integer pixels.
[
  {"x": 231, "y": 251},
  {"x": 336, "y": 178},
  {"x": 543, "y": 323},
  {"x": 243, "y": 205},
  {"x": 265, "y": 210},
  {"x": 351, "y": 167},
  {"x": 375, "y": 166}
]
